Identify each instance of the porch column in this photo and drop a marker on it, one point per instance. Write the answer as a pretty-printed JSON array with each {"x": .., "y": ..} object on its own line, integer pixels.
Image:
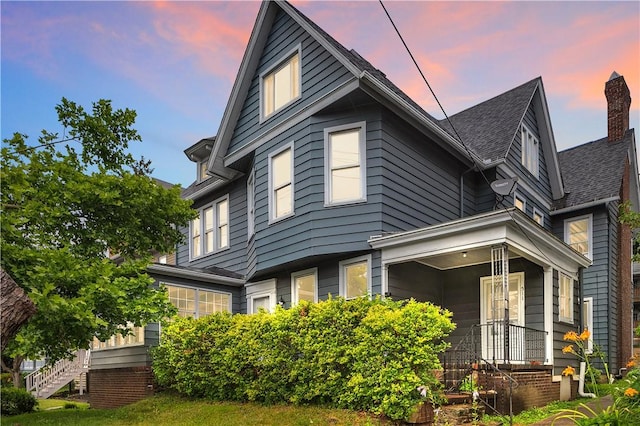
[
  {"x": 548, "y": 313},
  {"x": 384, "y": 280},
  {"x": 500, "y": 296}
]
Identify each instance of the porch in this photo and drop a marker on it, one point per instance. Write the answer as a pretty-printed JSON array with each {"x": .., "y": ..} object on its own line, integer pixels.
[{"x": 498, "y": 273}]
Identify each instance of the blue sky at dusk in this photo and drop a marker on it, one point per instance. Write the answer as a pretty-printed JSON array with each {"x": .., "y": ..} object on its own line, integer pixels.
[{"x": 175, "y": 62}]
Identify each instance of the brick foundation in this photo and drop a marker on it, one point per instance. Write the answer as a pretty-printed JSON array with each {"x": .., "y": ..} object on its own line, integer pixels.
[
  {"x": 535, "y": 389},
  {"x": 119, "y": 386}
]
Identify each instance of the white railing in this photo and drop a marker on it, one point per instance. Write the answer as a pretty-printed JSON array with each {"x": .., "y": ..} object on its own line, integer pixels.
[{"x": 47, "y": 380}]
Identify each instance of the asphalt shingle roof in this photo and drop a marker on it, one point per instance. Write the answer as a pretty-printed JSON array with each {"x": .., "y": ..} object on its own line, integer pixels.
[
  {"x": 489, "y": 127},
  {"x": 593, "y": 171}
]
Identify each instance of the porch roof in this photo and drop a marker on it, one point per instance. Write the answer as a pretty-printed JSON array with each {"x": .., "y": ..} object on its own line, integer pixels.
[{"x": 464, "y": 242}]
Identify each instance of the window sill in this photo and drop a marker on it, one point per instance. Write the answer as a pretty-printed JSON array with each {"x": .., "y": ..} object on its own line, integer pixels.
[{"x": 345, "y": 203}]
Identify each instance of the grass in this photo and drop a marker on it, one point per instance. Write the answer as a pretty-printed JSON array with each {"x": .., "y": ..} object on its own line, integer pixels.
[
  {"x": 52, "y": 404},
  {"x": 167, "y": 409}
]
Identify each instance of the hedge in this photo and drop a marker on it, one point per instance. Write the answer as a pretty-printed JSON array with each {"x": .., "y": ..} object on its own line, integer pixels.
[{"x": 359, "y": 354}]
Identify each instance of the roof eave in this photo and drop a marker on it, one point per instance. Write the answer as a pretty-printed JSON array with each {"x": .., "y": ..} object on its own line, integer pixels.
[{"x": 167, "y": 270}]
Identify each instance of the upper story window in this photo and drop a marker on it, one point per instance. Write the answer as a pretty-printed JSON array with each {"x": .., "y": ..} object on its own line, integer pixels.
[
  {"x": 280, "y": 85},
  {"x": 530, "y": 150},
  {"x": 304, "y": 286},
  {"x": 345, "y": 164},
  {"x": 519, "y": 202},
  {"x": 195, "y": 302},
  {"x": 202, "y": 170},
  {"x": 578, "y": 234},
  {"x": 210, "y": 230},
  {"x": 565, "y": 299},
  {"x": 281, "y": 183},
  {"x": 538, "y": 217},
  {"x": 251, "y": 203},
  {"x": 355, "y": 277}
]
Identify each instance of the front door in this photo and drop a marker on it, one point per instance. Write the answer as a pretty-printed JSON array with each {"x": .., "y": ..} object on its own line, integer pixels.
[{"x": 492, "y": 311}]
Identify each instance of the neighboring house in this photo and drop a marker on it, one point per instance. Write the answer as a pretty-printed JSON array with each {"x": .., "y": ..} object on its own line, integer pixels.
[{"x": 325, "y": 178}]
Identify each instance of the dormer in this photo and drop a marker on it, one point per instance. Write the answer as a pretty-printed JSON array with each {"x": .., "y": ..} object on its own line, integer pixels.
[{"x": 199, "y": 153}]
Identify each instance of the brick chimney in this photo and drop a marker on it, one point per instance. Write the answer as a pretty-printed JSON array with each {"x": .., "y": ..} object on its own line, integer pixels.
[{"x": 618, "y": 104}]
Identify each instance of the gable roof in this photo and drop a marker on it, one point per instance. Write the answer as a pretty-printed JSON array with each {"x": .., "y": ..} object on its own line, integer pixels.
[
  {"x": 592, "y": 172},
  {"x": 370, "y": 80},
  {"x": 490, "y": 127}
]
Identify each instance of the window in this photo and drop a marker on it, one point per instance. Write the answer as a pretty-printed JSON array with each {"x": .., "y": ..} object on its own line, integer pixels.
[
  {"x": 565, "y": 299},
  {"x": 202, "y": 170},
  {"x": 345, "y": 164},
  {"x": 135, "y": 338},
  {"x": 195, "y": 302},
  {"x": 538, "y": 217},
  {"x": 281, "y": 183},
  {"x": 251, "y": 195},
  {"x": 355, "y": 277},
  {"x": 281, "y": 85},
  {"x": 587, "y": 321},
  {"x": 530, "y": 151},
  {"x": 577, "y": 233},
  {"x": 304, "y": 286},
  {"x": 213, "y": 223},
  {"x": 519, "y": 202},
  {"x": 223, "y": 223},
  {"x": 162, "y": 259},
  {"x": 260, "y": 302}
]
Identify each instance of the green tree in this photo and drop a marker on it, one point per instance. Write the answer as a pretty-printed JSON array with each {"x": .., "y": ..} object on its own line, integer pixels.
[
  {"x": 632, "y": 219},
  {"x": 63, "y": 208}
]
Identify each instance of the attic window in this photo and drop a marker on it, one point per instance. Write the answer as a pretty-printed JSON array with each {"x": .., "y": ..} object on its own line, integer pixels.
[
  {"x": 530, "y": 150},
  {"x": 281, "y": 84},
  {"x": 202, "y": 170}
]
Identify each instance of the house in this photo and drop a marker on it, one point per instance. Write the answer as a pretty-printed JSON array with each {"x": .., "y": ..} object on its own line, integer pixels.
[{"x": 325, "y": 178}]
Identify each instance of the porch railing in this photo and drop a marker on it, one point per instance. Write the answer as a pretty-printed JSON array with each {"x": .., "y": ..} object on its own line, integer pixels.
[{"x": 488, "y": 344}]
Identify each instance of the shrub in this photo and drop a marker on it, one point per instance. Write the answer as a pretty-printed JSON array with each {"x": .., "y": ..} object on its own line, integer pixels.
[
  {"x": 6, "y": 381},
  {"x": 16, "y": 401},
  {"x": 360, "y": 354}
]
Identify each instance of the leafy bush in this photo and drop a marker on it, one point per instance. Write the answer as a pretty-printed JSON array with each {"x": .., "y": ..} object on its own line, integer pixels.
[
  {"x": 360, "y": 354},
  {"x": 6, "y": 381},
  {"x": 16, "y": 401}
]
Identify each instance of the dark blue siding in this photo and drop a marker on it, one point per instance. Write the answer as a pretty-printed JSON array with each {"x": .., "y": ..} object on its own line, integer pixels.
[{"x": 321, "y": 73}]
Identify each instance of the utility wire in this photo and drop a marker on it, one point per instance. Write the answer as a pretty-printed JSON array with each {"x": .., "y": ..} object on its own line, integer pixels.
[
  {"x": 29, "y": 148},
  {"x": 484, "y": 176}
]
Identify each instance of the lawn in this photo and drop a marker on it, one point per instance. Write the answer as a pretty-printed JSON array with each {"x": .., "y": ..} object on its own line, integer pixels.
[{"x": 165, "y": 409}]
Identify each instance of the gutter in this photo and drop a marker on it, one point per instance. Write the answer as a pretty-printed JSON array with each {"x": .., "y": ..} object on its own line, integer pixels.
[
  {"x": 584, "y": 205},
  {"x": 195, "y": 275}
]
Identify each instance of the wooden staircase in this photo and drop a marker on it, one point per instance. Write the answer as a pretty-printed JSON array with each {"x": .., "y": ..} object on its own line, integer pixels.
[{"x": 46, "y": 381}]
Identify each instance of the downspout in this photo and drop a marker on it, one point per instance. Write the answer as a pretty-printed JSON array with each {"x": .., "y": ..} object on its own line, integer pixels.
[
  {"x": 583, "y": 365},
  {"x": 462, "y": 190}
]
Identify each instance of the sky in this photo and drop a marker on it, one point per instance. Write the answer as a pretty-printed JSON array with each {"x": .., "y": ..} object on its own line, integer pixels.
[{"x": 175, "y": 62}]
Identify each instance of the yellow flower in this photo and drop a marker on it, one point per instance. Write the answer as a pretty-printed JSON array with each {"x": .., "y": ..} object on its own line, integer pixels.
[
  {"x": 569, "y": 371},
  {"x": 631, "y": 363},
  {"x": 630, "y": 392},
  {"x": 571, "y": 336},
  {"x": 567, "y": 349},
  {"x": 584, "y": 336}
]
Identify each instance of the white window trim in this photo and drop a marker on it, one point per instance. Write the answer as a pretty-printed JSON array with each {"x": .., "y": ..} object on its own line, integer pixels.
[
  {"x": 251, "y": 204},
  {"x": 589, "y": 218},
  {"x": 285, "y": 58},
  {"x": 217, "y": 249},
  {"x": 272, "y": 205},
  {"x": 163, "y": 283},
  {"x": 517, "y": 196},
  {"x": 588, "y": 301},
  {"x": 294, "y": 291},
  {"x": 569, "y": 319},
  {"x": 526, "y": 152},
  {"x": 539, "y": 213},
  {"x": 341, "y": 266},
  {"x": 261, "y": 289},
  {"x": 251, "y": 298},
  {"x": 361, "y": 126}
]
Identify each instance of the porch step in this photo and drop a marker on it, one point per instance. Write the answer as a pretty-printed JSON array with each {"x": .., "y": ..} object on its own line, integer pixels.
[
  {"x": 467, "y": 397},
  {"x": 457, "y": 414}
]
